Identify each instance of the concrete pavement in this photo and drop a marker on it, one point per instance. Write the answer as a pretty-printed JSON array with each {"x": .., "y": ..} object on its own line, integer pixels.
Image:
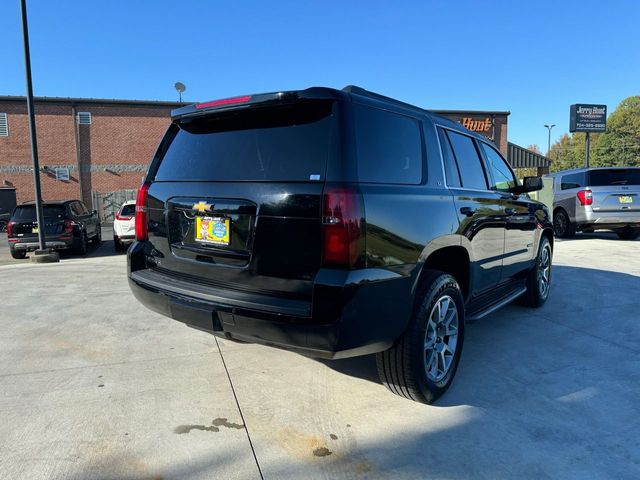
[{"x": 94, "y": 386}]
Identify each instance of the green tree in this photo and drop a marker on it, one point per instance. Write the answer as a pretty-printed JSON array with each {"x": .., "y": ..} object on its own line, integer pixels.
[{"x": 620, "y": 144}]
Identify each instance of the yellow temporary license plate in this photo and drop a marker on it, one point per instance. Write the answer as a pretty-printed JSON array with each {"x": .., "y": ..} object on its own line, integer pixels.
[
  {"x": 214, "y": 230},
  {"x": 625, "y": 199},
  {"x": 34, "y": 230}
]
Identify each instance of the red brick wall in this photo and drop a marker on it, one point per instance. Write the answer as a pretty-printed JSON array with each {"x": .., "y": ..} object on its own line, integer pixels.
[{"x": 114, "y": 150}]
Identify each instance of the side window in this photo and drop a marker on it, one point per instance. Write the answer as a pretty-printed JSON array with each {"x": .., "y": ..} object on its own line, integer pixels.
[
  {"x": 574, "y": 180},
  {"x": 468, "y": 160},
  {"x": 450, "y": 167},
  {"x": 389, "y": 147},
  {"x": 503, "y": 178},
  {"x": 83, "y": 208}
]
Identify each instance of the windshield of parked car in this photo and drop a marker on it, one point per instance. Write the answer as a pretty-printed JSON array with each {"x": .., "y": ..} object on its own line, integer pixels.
[
  {"x": 28, "y": 212},
  {"x": 614, "y": 176}
]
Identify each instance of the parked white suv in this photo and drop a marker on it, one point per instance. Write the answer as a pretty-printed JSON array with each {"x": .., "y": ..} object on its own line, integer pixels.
[{"x": 124, "y": 226}]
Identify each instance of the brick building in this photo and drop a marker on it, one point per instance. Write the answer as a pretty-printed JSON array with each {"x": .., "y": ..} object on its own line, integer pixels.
[
  {"x": 84, "y": 145},
  {"x": 89, "y": 146}
]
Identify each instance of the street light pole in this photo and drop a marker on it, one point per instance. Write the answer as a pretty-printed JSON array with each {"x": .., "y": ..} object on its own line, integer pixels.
[
  {"x": 32, "y": 126},
  {"x": 41, "y": 255},
  {"x": 549, "y": 127}
]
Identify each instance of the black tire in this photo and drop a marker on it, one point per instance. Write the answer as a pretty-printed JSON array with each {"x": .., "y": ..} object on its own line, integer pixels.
[
  {"x": 536, "y": 296},
  {"x": 97, "y": 238},
  {"x": 117, "y": 245},
  {"x": 82, "y": 245},
  {"x": 18, "y": 254},
  {"x": 562, "y": 226},
  {"x": 628, "y": 233},
  {"x": 403, "y": 368}
]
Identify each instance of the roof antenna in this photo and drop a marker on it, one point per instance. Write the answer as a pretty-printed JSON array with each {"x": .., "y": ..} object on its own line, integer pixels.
[{"x": 180, "y": 87}]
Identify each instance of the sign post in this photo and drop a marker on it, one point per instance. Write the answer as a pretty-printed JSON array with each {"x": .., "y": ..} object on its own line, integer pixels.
[{"x": 587, "y": 118}]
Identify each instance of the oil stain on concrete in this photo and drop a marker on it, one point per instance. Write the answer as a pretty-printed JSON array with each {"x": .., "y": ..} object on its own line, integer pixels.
[{"x": 214, "y": 427}]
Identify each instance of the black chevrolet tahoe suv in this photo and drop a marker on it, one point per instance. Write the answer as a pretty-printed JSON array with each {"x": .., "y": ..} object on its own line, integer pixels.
[{"x": 335, "y": 224}]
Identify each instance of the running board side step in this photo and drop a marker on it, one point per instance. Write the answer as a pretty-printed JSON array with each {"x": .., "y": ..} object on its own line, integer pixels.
[{"x": 492, "y": 308}]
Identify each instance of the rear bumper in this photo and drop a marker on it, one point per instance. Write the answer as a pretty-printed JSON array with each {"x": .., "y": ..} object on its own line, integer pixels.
[
  {"x": 30, "y": 246},
  {"x": 124, "y": 238},
  {"x": 607, "y": 220},
  {"x": 372, "y": 309}
]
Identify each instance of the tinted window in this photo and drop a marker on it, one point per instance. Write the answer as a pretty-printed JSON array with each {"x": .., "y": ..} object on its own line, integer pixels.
[
  {"x": 389, "y": 147},
  {"x": 283, "y": 143},
  {"x": 618, "y": 176},
  {"x": 128, "y": 210},
  {"x": 502, "y": 177},
  {"x": 76, "y": 209},
  {"x": 469, "y": 162},
  {"x": 27, "y": 213},
  {"x": 83, "y": 208},
  {"x": 450, "y": 167},
  {"x": 574, "y": 180}
]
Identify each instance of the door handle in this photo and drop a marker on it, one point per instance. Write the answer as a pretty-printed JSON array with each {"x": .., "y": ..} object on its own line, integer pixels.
[
  {"x": 509, "y": 211},
  {"x": 468, "y": 211}
]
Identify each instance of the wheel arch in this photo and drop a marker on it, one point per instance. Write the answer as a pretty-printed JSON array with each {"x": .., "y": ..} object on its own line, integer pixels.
[{"x": 453, "y": 260}]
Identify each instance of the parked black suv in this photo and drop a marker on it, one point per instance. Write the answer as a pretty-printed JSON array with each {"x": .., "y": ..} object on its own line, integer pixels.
[
  {"x": 68, "y": 224},
  {"x": 335, "y": 224}
]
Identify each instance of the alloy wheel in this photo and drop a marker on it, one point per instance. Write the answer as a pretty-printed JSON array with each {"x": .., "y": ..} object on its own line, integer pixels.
[
  {"x": 544, "y": 271},
  {"x": 441, "y": 338}
]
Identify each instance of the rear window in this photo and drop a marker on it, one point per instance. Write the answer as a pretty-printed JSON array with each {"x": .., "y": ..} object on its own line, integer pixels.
[
  {"x": 618, "y": 176},
  {"x": 282, "y": 143},
  {"x": 389, "y": 147},
  {"x": 128, "y": 210},
  {"x": 28, "y": 212}
]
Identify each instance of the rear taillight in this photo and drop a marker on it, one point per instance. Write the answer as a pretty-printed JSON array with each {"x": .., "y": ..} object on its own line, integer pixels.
[
  {"x": 68, "y": 226},
  {"x": 585, "y": 197},
  {"x": 342, "y": 227},
  {"x": 10, "y": 228},
  {"x": 123, "y": 218},
  {"x": 142, "y": 231}
]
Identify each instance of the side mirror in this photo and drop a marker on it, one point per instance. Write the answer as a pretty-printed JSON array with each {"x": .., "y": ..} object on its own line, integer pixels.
[
  {"x": 529, "y": 184},
  {"x": 95, "y": 212}
]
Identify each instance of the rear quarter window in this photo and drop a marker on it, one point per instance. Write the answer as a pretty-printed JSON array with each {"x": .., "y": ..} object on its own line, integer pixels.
[
  {"x": 574, "y": 180},
  {"x": 389, "y": 147}
]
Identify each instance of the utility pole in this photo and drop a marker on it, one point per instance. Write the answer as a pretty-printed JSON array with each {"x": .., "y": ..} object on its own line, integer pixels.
[{"x": 41, "y": 255}]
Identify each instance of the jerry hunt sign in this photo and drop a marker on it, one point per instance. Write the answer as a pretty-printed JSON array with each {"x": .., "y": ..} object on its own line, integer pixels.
[{"x": 587, "y": 118}]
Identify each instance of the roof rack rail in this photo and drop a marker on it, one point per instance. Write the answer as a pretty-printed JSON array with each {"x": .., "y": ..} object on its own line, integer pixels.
[{"x": 366, "y": 93}]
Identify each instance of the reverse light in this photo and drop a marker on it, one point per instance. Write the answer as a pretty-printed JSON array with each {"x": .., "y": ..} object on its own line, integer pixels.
[
  {"x": 585, "y": 197},
  {"x": 142, "y": 216},
  {"x": 342, "y": 228},
  {"x": 224, "y": 101}
]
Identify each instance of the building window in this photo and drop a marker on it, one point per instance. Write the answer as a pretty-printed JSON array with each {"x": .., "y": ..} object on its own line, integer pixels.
[
  {"x": 4, "y": 125},
  {"x": 62, "y": 174},
  {"x": 84, "y": 118}
]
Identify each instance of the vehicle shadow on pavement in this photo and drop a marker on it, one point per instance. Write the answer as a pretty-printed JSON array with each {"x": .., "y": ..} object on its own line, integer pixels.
[
  {"x": 535, "y": 343},
  {"x": 602, "y": 235}
]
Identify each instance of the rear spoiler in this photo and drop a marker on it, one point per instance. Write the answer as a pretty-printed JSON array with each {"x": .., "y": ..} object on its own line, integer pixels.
[{"x": 248, "y": 101}]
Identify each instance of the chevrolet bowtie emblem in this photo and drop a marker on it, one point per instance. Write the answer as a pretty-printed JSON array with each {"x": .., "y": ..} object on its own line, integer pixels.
[{"x": 201, "y": 206}]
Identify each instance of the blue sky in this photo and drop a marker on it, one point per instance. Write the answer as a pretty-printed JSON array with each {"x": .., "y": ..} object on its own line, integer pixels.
[{"x": 532, "y": 58}]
